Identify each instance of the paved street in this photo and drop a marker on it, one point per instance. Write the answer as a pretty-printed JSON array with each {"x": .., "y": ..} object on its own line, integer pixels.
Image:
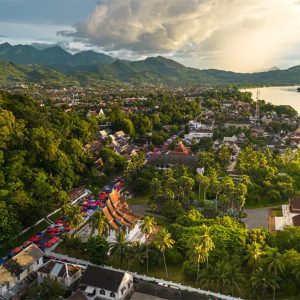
[{"x": 256, "y": 217}]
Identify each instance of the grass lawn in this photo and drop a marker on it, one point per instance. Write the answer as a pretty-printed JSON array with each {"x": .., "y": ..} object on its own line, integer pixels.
[
  {"x": 174, "y": 271},
  {"x": 160, "y": 220},
  {"x": 72, "y": 252},
  {"x": 277, "y": 211},
  {"x": 138, "y": 200},
  {"x": 22, "y": 238},
  {"x": 263, "y": 203},
  {"x": 56, "y": 216}
]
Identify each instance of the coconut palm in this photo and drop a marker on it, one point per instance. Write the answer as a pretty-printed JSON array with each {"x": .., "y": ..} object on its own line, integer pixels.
[
  {"x": 274, "y": 265},
  {"x": 296, "y": 271},
  {"x": 221, "y": 273},
  {"x": 147, "y": 227},
  {"x": 120, "y": 246},
  {"x": 208, "y": 243},
  {"x": 200, "y": 247},
  {"x": 254, "y": 255},
  {"x": 203, "y": 182},
  {"x": 234, "y": 278},
  {"x": 98, "y": 222},
  {"x": 137, "y": 254},
  {"x": 207, "y": 278},
  {"x": 74, "y": 215},
  {"x": 262, "y": 279},
  {"x": 163, "y": 242}
]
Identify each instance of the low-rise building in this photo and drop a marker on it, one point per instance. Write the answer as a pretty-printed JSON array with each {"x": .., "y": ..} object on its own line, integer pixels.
[
  {"x": 102, "y": 283},
  {"x": 64, "y": 273},
  {"x": 14, "y": 270}
]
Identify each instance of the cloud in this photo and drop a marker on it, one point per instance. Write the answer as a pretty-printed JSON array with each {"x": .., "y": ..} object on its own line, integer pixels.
[{"x": 231, "y": 34}]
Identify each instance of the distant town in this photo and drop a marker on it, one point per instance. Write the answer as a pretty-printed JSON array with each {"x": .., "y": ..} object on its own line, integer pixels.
[{"x": 147, "y": 192}]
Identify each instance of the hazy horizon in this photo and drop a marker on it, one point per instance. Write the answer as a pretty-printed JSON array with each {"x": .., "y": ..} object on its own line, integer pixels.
[{"x": 233, "y": 35}]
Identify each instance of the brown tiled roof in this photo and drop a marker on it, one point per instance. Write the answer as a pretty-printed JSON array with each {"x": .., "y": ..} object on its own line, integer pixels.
[
  {"x": 117, "y": 212},
  {"x": 117, "y": 215},
  {"x": 296, "y": 220},
  {"x": 110, "y": 219},
  {"x": 59, "y": 269},
  {"x": 295, "y": 205}
]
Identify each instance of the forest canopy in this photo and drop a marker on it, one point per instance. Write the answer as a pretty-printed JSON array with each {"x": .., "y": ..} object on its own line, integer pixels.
[{"x": 41, "y": 157}]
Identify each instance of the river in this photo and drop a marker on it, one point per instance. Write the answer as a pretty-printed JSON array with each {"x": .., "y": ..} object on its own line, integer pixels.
[{"x": 278, "y": 95}]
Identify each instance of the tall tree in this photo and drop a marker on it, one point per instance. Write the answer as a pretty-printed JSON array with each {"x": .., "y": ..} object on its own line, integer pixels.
[
  {"x": 98, "y": 222},
  {"x": 254, "y": 255},
  {"x": 74, "y": 215},
  {"x": 147, "y": 227},
  {"x": 274, "y": 265},
  {"x": 163, "y": 242},
  {"x": 120, "y": 246},
  {"x": 97, "y": 249},
  {"x": 262, "y": 279}
]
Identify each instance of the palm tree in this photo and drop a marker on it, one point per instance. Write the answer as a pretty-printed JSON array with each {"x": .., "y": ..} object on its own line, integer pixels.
[
  {"x": 199, "y": 180},
  {"x": 296, "y": 271},
  {"x": 74, "y": 215},
  {"x": 147, "y": 227},
  {"x": 274, "y": 265},
  {"x": 203, "y": 181},
  {"x": 263, "y": 279},
  {"x": 163, "y": 242},
  {"x": 208, "y": 243},
  {"x": 234, "y": 278},
  {"x": 120, "y": 246},
  {"x": 221, "y": 274},
  {"x": 136, "y": 253},
  {"x": 153, "y": 208},
  {"x": 207, "y": 278},
  {"x": 200, "y": 246},
  {"x": 254, "y": 255},
  {"x": 98, "y": 222}
]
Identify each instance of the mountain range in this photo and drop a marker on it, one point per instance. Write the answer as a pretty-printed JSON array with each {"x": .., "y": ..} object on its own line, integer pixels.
[{"x": 24, "y": 63}]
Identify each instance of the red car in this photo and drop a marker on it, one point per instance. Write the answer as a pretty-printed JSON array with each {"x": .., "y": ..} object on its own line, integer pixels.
[
  {"x": 102, "y": 196},
  {"x": 34, "y": 238},
  {"x": 51, "y": 242}
]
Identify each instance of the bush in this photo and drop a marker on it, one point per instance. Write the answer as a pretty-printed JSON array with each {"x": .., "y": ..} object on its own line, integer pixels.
[
  {"x": 173, "y": 256},
  {"x": 190, "y": 270}
]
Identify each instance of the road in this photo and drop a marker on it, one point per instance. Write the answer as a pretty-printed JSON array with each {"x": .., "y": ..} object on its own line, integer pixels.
[{"x": 256, "y": 217}]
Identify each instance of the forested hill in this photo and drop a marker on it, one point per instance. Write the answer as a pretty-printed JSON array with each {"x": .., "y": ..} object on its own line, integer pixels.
[
  {"x": 41, "y": 157},
  {"x": 58, "y": 67}
]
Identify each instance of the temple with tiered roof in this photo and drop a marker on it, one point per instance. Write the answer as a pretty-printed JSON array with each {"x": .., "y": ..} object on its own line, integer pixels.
[{"x": 120, "y": 217}]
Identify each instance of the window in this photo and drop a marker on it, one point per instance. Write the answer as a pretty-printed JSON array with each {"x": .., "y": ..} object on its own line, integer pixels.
[
  {"x": 112, "y": 294},
  {"x": 102, "y": 292},
  {"x": 123, "y": 289}
]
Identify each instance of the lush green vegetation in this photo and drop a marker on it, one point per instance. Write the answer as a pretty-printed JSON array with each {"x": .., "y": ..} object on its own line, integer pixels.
[
  {"x": 41, "y": 157},
  {"x": 56, "y": 67},
  {"x": 217, "y": 254},
  {"x": 272, "y": 178}
]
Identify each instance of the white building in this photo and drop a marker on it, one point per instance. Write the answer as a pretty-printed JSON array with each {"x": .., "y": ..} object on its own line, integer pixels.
[
  {"x": 199, "y": 134},
  {"x": 194, "y": 125},
  {"x": 101, "y": 283},
  {"x": 14, "y": 270}
]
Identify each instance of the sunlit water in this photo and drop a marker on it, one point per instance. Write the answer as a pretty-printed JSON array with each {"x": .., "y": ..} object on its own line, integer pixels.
[{"x": 278, "y": 95}]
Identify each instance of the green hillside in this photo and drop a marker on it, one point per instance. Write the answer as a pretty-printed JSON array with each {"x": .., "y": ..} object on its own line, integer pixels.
[{"x": 58, "y": 67}]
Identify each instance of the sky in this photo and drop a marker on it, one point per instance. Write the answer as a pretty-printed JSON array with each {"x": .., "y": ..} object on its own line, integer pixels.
[{"x": 236, "y": 35}]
